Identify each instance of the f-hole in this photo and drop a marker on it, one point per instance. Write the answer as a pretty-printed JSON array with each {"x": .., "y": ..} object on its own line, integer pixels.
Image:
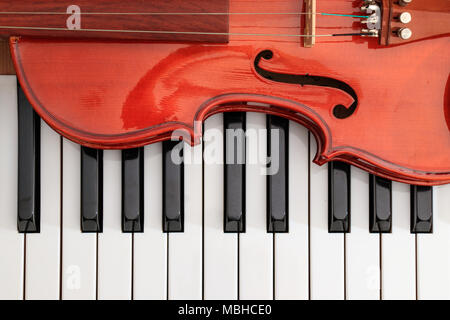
[{"x": 339, "y": 111}]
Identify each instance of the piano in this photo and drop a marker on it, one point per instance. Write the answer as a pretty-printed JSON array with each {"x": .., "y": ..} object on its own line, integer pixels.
[{"x": 79, "y": 223}]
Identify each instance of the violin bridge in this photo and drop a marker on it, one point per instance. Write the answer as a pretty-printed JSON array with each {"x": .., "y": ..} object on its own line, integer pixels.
[{"x": 310, "y": 24}]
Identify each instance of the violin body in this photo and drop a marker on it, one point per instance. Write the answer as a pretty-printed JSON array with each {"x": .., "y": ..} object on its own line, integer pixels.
[{"x": 383, "y": 108}]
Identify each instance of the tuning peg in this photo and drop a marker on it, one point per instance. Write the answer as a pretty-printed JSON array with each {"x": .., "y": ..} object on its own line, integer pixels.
[
  {"x": 372, "y": 19},
  {"x": 405, "y": 17},
  {"x": 370, "y": 33},
  {"x": 404, "y": 3},
  {"x": 404, "y": 33}
]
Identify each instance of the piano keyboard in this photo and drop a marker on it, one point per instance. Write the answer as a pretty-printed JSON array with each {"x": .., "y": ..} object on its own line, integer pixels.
[{"x": 77, "y": 223}]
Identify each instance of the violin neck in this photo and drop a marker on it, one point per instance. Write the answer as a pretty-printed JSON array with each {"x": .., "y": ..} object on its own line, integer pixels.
[{"x": 156, "y": 20}]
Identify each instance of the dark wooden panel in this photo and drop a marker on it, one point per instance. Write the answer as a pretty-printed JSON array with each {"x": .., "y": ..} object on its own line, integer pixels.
[
  {"x": 6, "y": 65},
  {"x": 162, "y": 23}
]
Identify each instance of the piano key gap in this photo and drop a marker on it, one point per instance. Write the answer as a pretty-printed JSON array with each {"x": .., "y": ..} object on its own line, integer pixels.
[
  {"x": 381, "y": 264},
  {"x": 345, "y": 266},
  {"x": 61, "y": 215},
  {"x": 24, "y": 266},
  {"x": 309, "y": 215}
]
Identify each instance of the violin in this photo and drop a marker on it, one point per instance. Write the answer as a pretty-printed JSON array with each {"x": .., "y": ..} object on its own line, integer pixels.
[{"x": 370, "y": 79}]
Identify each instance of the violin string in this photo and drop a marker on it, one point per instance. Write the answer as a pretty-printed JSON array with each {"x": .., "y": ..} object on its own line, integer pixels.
[
  {"x": 184, "y": 13},
  {"x": 187, "y": 32}
]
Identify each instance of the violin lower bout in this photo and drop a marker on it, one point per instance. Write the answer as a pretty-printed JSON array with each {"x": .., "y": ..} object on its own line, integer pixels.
[{"x": 115, "y": 96}]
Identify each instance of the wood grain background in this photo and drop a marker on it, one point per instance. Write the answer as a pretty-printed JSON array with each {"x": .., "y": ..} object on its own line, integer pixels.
[{"x": 6, "y": 65}]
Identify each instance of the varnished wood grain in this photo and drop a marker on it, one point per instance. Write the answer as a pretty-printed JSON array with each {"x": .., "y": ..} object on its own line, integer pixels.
[{"x": 6, "y": 65}]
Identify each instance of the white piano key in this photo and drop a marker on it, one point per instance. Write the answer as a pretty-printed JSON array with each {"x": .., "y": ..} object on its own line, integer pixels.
[
  {"x": 362, "y": 247},
  {"x": 221, "y": 249},
  {"x": 291, "y": 266},
  {"x": 150, "y": 247},
  {"x": 114, "y": 247},
  {"x": 11, "y": 242},
  {"x": 42, "y": 280},
  {"x": 256, "y": 245},
  {"x": 326, "y": 249},
  {"x": 79, "y": 265},
  {"x": 399, "y": 250},
  {"x": 185, "y": 249},
  {"x": 433, "y": 253}
]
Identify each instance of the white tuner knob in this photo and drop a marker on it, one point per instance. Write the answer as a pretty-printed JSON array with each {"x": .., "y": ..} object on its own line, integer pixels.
[
  {"x": 404, "y": 3},
  {"x": 405, "y": 17},
  {"x": 404, "y": 33}
]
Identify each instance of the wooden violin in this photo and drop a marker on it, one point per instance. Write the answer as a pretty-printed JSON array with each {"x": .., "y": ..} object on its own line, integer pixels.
[{"x": 370, "y": 79}]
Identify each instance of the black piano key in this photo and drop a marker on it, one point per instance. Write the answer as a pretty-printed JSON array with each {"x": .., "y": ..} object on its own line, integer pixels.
[
  {"x": 339, "y": 197},
  {"x": 29, "y": 167},
  {"x": 277, "y": 178},
  {"x": 91, "y": 190},
  {"x": 234, "y": 171},
  {"x": 380, "y": 202},
  {"x": 421, "y": 209},
  {"x": 133, "y": 190},
  {"x": 173, "y": 188}
]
